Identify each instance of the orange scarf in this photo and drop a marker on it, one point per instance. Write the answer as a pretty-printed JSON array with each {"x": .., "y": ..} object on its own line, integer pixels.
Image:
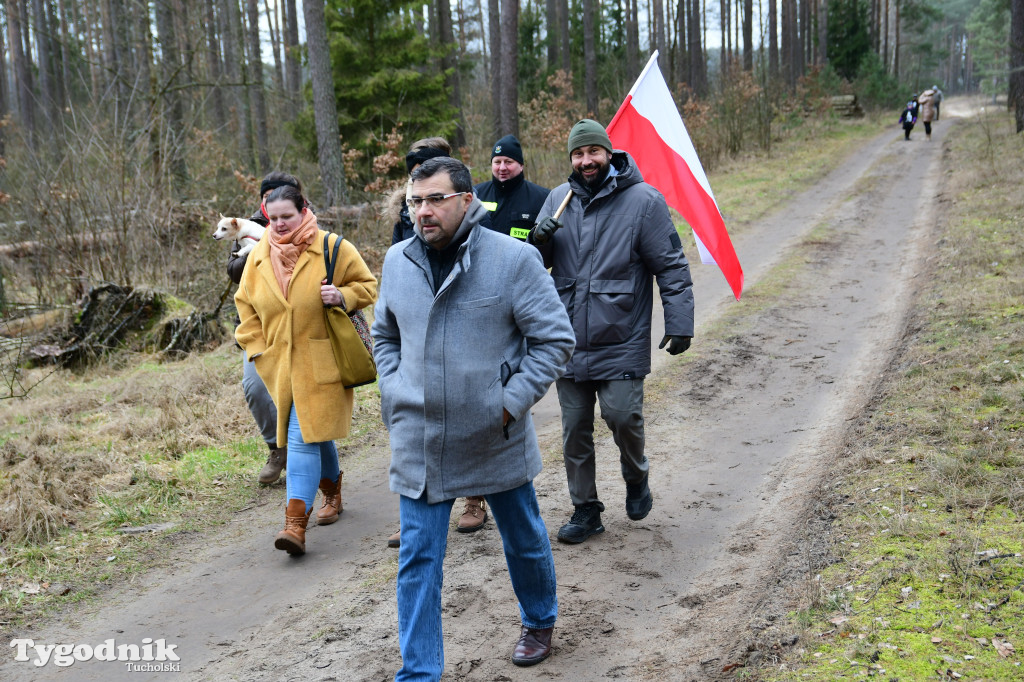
[{"x": 286, "y": 249}]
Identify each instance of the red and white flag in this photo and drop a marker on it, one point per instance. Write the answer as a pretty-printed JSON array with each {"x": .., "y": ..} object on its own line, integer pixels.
[{"x": 649, "y": 127}]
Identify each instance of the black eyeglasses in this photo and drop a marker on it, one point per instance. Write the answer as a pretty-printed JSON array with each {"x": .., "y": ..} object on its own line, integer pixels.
[{"x": 433, "y": 200}]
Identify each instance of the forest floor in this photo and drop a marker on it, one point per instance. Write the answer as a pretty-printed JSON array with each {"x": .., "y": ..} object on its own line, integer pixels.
[{"x": 742, "y": 431}]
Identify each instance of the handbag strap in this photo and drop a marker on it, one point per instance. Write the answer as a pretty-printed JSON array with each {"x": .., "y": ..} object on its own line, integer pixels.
[{"x": 331, "y": 260}]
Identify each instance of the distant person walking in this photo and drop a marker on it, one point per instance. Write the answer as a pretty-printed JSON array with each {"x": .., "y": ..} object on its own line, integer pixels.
[
  {"x": 469, "y": 334},
  {"x": 908, "y": 117},
  {"x": 283, "y": 332},
  {"x": 926, "y": 109},
  {"x": 936, "y": 100}
]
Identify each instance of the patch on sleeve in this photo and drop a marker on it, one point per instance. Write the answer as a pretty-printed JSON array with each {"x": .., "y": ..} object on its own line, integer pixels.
[
  {"x": 675, "y": 241},
  {"x": 491, "y": 206}
]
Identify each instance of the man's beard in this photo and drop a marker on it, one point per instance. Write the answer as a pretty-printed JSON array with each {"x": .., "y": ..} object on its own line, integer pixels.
[{"x": 599, "y": 178}]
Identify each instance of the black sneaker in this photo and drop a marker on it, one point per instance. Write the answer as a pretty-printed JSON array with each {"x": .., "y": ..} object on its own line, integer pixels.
[
  {"x": 638, "y": 500},
  {"x": 585, "y": 521}
]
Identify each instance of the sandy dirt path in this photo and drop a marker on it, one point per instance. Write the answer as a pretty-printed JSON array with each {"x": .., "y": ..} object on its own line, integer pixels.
[{"x": 739, "y": 436}]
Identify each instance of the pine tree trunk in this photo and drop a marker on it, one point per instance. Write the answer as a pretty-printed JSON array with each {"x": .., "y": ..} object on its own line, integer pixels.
[
  {"x": 44, "y": 65},
  {"x": 563, "y": 16},
  {"x": 170, "y": 65},
  {"x": 293, "y": 75},
  {"x": 65, "y": 22},
  {"x": 510, "y": 66},
  {"x": 144, "y": 66},
  {"x": 214, "y": 68},
  {"x": 5, "y": 104},
  {"x": 659, "y": 30},
  {"x": 21, "y": 68},
  {"x": 723, "y": 29},
  {"x": 748, "y": 35},
  {"x": 259, "y": 105},
  {"x": 494, "y": 32},
  {"x": 680, "y": 70},
  {"x": 275, "y": 45},
  {"x": 632, "y": 39},
  {"x": 773, "y": 39},
  {"x": 451, "y": 70},
  {"x": 698, "y": 67},
  {"x": 589, "y": 58},
  {"x": 1016, "y": 85},
  {"x": 896, "y": 44},
  {"x": 325, "y": 106},
  {"x": 91, "y": 37},
  {"x": 230, "y": 32},
  {"x": 551, "y": 22}
]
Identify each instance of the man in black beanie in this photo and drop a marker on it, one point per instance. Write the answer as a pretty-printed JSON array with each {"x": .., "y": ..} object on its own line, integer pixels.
[
  {"x": 513, "y": 203},
  {"x": 618, "y": 237}
]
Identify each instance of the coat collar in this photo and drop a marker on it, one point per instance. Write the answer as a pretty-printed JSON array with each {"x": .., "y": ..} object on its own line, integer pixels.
[
  {"x": 416, "y": 249},
  {"x": 313, "y": 254}
]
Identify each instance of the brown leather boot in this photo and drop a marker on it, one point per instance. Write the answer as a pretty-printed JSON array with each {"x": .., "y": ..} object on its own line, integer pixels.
[
  {"x": 474, "y": 516},
  {"x": 328, "y": 513},
  {"x": 395, "y": 540},
  {"x": 293, "y": 538},
  {"x": 276, "y": 460}
]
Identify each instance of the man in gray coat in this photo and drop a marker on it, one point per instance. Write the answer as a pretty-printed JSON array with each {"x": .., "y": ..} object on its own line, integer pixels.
[
  {"x": 617, "y": 237},
  {"x": 469, "y": 335}
]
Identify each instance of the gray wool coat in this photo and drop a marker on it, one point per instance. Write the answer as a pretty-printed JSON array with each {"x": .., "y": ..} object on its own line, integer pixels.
[
  {"x": 604, "y": 262},
  {"x": 495, "y": 335}
]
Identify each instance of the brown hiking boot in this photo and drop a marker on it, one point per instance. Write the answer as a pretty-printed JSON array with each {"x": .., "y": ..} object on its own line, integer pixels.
[
  {"x": 276, "y": 460},
  {"x": 474, "y": 516},
  {"x": 395, "y": 540},
  {"x": 332, "y": 501},
  {"x": 293, "y": 538}
]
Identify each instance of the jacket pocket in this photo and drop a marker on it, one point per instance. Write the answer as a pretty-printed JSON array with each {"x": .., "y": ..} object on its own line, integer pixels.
[
  {"x": 323, "y": 363},
  {"x": 566, "y": 288},
  {"x": 478, "y": 303},
  {"x": 387, "y": 386},
  {"x": 610, "y": 311}
]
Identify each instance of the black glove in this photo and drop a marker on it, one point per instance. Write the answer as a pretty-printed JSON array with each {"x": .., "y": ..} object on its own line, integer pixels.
[
  {"x": 676, "y": 344},
  {"x": 544, "y": 230}
]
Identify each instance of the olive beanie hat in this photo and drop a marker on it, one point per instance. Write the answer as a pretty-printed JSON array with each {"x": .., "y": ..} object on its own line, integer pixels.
[{"x": 587, "y": 132}]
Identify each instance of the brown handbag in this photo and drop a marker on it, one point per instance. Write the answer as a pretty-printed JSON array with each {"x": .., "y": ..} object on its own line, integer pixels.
[{"x": 349, "y": 333}]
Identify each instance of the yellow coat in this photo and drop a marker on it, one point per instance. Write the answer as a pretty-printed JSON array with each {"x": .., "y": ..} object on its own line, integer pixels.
[{"x": 288, "y": 341}]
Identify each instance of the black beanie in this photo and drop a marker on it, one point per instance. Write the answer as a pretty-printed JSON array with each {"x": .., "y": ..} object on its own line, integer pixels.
[
  {"x": 508, "y": 146},
  {"x": 415, "y": 158},
  {"x": 268, "y": 185}
]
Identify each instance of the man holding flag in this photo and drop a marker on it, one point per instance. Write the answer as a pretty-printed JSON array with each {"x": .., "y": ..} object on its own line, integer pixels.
[{"x": 614, "y": 237}]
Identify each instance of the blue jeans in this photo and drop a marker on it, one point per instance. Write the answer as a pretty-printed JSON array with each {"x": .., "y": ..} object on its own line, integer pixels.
[
  {"x": 308, "y": 463},
  {"x": 531, "y": 568}
]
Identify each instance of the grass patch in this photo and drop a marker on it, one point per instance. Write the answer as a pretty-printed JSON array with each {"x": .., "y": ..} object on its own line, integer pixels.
[
  {"x": 129, "y": 443},
  {"x": 929, "y": 509}
]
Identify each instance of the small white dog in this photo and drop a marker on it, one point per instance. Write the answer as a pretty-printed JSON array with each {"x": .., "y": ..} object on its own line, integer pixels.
[{"x": 243, "y": 231}]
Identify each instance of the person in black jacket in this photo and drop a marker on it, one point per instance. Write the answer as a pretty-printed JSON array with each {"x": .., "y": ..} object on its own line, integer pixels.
[
  {"x": 512, "y": 201},
  {"x": 261, "y": 405}
]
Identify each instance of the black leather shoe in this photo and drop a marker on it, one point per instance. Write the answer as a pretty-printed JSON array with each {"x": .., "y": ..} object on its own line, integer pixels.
[
  {"x": 638, "y": 500},
  {"x": 533, "y": 646},
  {"x": 585, "y": 521}
]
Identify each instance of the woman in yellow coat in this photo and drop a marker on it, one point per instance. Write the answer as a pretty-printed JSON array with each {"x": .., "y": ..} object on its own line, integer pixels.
[{"x": 280, "y": 303}]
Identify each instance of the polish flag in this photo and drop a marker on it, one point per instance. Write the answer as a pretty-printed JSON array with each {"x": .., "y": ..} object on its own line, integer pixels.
[{"x": 649, "y": 127}]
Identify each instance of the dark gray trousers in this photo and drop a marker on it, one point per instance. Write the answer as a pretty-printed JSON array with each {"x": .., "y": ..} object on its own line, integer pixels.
[
  {"x": 622, "y": 404},
  {"x": 261, "y": 405}
]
